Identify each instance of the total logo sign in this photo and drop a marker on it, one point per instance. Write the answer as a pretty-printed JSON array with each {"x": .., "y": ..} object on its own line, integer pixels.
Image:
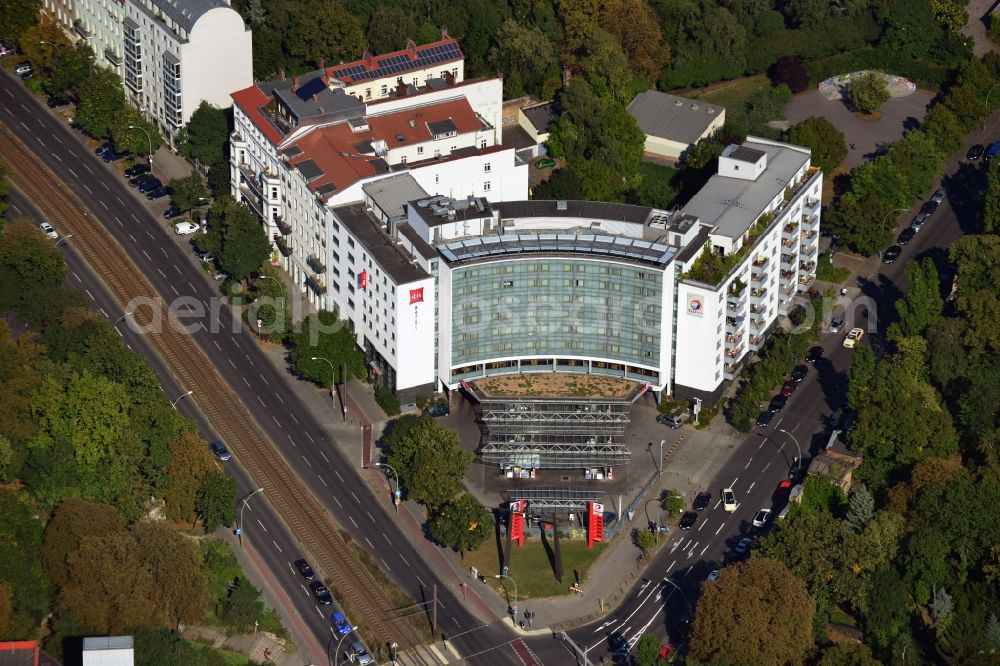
[{"x": 696, "y": 305}]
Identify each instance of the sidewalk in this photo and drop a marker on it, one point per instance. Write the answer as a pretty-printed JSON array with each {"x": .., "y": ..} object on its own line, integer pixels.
[{"x": 168, "y": 166}]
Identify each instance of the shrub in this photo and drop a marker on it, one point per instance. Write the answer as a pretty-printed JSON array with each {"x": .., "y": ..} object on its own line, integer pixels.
[
  {"x": 994, "y": 30},
  {"x": 791, "y": 72},
  {"x": 868, "y": 92},
  {"x": 388, "y": 401}
]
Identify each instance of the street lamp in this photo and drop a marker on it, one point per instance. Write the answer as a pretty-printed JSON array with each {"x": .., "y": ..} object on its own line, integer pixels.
[
  {"x": 336, "y": 653},
  {"x": 333, "y": 389},
  {"x": 886, "y": 218},
  {"x": 120, "y": 320},
  {"x": 63, "y": 238},
  {"x": 179, "y": 398},
  {"x": 798, "y": 461},
  {"x": 513, "y": 608},
  {"x": 396, "y": 493},
  {"x": 150, "y": 140},
  {"x": 239, "y": 529}
]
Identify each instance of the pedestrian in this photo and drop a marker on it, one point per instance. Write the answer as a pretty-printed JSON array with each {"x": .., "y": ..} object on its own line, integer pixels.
[
  {"x": 522, "y": 625},
  {"x": 852, "y": 146},
  {"x": 843, "y": 291}
]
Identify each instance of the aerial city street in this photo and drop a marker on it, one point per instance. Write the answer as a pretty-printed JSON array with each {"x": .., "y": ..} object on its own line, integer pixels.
[{"x": 520, "y": 333}]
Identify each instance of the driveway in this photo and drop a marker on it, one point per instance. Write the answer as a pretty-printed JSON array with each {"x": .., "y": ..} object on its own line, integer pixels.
[
  {"x": 979, "y": 13},
  {"x": 868, "y": 137}
]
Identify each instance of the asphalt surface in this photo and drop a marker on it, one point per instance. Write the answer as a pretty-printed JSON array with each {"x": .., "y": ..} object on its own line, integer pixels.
[
  {"x": 169, "y": 265},
  {"x": 680, "y": 567}
]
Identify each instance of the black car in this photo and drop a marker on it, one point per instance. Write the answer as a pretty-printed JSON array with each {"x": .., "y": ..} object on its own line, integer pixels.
[
  {"x": 113, "y": 155},
  {"x": 438, "y": 409},
  {"x": 765, "y": 419},
  {"x": 906, "y": 235},
  {"x": 778, "y": 403},
  {"x": 975, "y": 152},
  {"x": 159, "y": 193},
  {"x": 172, "y": 212},
  {"x": 321, "y": 593},
  {"x": 702, "y": 501},
  {"x": 799, "y": 373},
  {"x": 147, "y": 186},
  {"x": 687, "y": 520},
  {"x": 54, "y": 102},
  {"x": 136, "y": 170},
  {"x": 929, "y": 207},
  {"x": 815, "y": 354},
  {"x": 103, "y": 148},
  {"x": 891, "y": 254},
  {"x": 139, "y": 180},
  {"x": 304, "y": 569}
]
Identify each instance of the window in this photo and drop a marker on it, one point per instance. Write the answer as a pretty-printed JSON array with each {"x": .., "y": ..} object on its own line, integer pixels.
[
  {"x": 486, "y": 168},
  {"x": 385, "y": 89},
  {"x": 482, "y": 143},
  {"x": 486, "y": 186},
  {"x": 402, "y": 160},
  {"x": 420, "y": 150},
  {"x": 368, "y": 93}
]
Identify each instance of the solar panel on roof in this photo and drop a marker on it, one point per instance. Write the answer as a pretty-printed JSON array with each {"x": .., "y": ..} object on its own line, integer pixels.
[{"x": 310, "y": 88}]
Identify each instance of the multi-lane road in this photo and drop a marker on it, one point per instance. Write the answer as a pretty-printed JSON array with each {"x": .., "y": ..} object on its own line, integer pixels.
[{"x": 675, "y": 574}]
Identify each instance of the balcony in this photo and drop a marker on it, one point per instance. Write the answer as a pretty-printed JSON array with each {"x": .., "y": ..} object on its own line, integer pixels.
[
  {"x": 315, "y": 263},
  {"x": 787, "y": 290},
  {"x": 807, "y": 267},
  {"x": 112, "y": 57},
  {"x": 789, "y": 230},
  {"x": 734, "y": 324},
  {"x": 735, "y": 353},
  {"x": 79, "y": 29},
  {"x": 811, "y": 205},
  {"x": 252, "y": 200},
  {"x": 284, "y": 227},
  {"x": 758, "y": 309},
  {"x": 250, "y": 179},
  {"x": 810, "y": 221},
  {"x": 789, "y": 243},
  {"x": 316, "y": 285},
  {"x": 757, "y": 324},
  {"x": 756, "y": 341},
  {"x": 788, "y": 259},
  {"x": 788, "y": 276},
  {"x": 758, "y": 294},
  {"x": 760, "y": 262},
  {"x": 732, "y": 370},
  {"x": 283, "y": 246},
  {"x": 808, "y": 250},
  {"x": 807, "y": 235},
  {"x": 733, "y": 339},
  {"x": 758, "y": 277}
]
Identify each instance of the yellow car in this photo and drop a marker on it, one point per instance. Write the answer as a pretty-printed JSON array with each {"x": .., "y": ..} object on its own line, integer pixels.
[
  {"x": 853, "y": 338},
  {"x": 729, "y": 500}
]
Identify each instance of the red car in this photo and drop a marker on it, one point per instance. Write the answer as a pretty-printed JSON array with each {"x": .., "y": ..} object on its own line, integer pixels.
[
  {"x": 785, "y": 487},
  {"x": 789, "y": 387}
]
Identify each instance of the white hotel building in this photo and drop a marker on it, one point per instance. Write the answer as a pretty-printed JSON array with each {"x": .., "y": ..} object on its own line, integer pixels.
[{"x": 171, "y": 54}]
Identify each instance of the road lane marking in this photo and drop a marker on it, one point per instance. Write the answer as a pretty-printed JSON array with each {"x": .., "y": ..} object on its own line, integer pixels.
[
  {"x": 748, "y": 463},
  {"x": 688, "y": 571},
  {"x": 702, "y": 553},
  {"x": 56, "y": 156},
  {"x": 671, "y": 566},
  {"x": 762, "y": 443},
  {"x": 87, "y": 167},
  {"x": 338, "y": 502},
  {"x": 26, "y": 109},
  {"x": 387, "y": 567},
  {"x": 276, "y": 421},
  {"x": 231, "y": 363},
  {"x": 323, "y": 481},
  {"x": 422, "y": 583},
  {"x": 279, "y": 398},
  {"x": 121, "y": 202},
  {"x": 246, "y": 382},
  {"x": 77, "y": 277},
  {"x": 324, "y": 457},
  {"x": 132, "y": 237},
  {"x": 355, "y": 497},
  {"x": 733, "y": 484},
  {"x": 703, "y": 523},
  {"x": 306, "y": 460},
  {"x": 41, "y": 142},
  {"x": 338, "y": 476},
  {"x": 751, "y": 486},
  {"x": 162, "y": 274},
  {"x": 105, "y": 205},
  {"x": 293, "y": 417},
  {"x": 292, "y": 441},
  {"x": 119, "y": 221},
  {"x": 370, "y": 544},
  {"x": 150, "y": 234},
  {"x": 321, "y": 614},
  {"x": 404, "y": 560},
  {"x": 134, "y": 217},
  {"x": 261, "y": 525},
  {"x": 90, "y": 294},
  {"x": 26, "y": 128},
  {"x": 278, "y": 547},
  {"x": 717, "y": 505},
  {"x": 57, "y": 139},
  {"x": 176, "y": 293},
  {"x": 386, "y": 538},
  {"x": 355, "y": 522},
  {"x": 310, "y": 437},
  {"x": 261, "y": 402},
  {"x": 87, "y": 187},
  {"x": 720, "y": 529},
  {"x": 216, "y": 344},
  {"x": 765, "y": 467},
  {"x": 147, "y": 255},
  {"x": 370, "y": 516},
  {"x": 105, "y": 186},
  {"x": 264, "y": 378},
  {"x": 175, "y": 266}
]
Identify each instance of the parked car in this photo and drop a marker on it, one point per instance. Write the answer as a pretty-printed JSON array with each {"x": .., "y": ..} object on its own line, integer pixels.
[
  {"x": 172, "y": 212},
  {"x": 800, "y": 371},
  {"x": 672, "y": 422},
  {"x": 789, "y": 388},
  {"x": 729, "y": 500},
  {"x": 778, "y": 403},
  {"x": 687, "y": 520},
  {"x": 891, "y": 254},
  {"x": 204, "y": 257},
  {"x": 103, "y": 148},
  {"x": 743, "y": 546},
  {"x": 545, "y": 163},
  {"x": 148, "y": 185},
  {"x": 919, "y": 221},
  {"x": 136, "y": 170},
  {"x": 438, "y": 409},
  {"x": 906, "y": 235},
  {"x": 7, "y": 49},
  {"x": 761, "y": 518},
  {"x": 837, "y": 323},
  {"x": 853, "y": 338},
  {"x": 701, "y": 501},
  {"x": 113, "y": 155},
  {"x": 765, "y": 419},
  {"x": 304, "y": 569},
  {"x": 159, "y": 193},
  {"x": 929, "y": 207},
  {"x": 340, "y": 625},
  {"x": 992, "y": 150},
  {"x": 185, "y": 228},
  {"x": 23, "y": 68},
  {"x": 220, "y": 451},
  {"x": 713, "y": 575},
  {"x": 140, "y": 179},
  {"x": 321, "y": 593},
  {"x": 815, "y": 354},
  {"x": 939, "y": 195},
  {"x": 219, "y": 275},
  {"x": 54, "y": 102},
  {"x": 48, "y": 230},
  {"x": 360, "y": 655},
  {"x": 784, "y": 487},
  {"x": 975, "y": 152}
]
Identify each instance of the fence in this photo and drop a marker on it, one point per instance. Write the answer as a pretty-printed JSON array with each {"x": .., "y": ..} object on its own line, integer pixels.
[{"x": 611, "y": 530}]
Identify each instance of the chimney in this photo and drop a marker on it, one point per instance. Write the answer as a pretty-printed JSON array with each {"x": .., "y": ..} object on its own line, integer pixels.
[
  {"x": 449, "y": 78},
  {"x": 314, "y": 97},
  {"x": 400, "y": 89},
  {"x": 411, "y": 49},
  {"x": 281, "y": 73},
  {"x": 368, "y": 59},
  {"x": 322, "y": 63},
  {"x": 295, "y": 83},
  {"x": 444, "y": 32}
]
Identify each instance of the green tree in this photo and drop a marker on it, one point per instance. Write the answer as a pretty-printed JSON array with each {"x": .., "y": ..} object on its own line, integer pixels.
[
  {"x": 647, "y": 650},
  {"x": 206, "y": 134},
  {"x": 72, "y": 66},
  {"x": 189, "y": 191},
  {"x": 324, "y": 29},
  {"x": 387, "y": 400},
  {"x": 324, "y": 336},
  {"x": 861, "y": 509},
  {"x": 673, "y": 503},
  {"x": 242, "y": 606},
  {"x": 20, "y": 564},
  {"x": 578, "y": 20},
  {"x": 16, "y": 16},
  {"x": 217, "y": 500},
  {"x": 30, "y": 267},
  {"x": 190, "y": 463},
  {"x": 822, "y": 137},
  {"x": 919, "y": 160},
  {"x": 42, "y": 43},
  {"x": 860, "y": 377},
  {"x": 637, "y": 28},
  {"x": 4, "y": 194},
  {"x": 848, "y": 654},
  {"x": 218, "y": 179},
  {"x": 942, "y": 605},
  {"x": 868, "y": 92},
  {"x": 389, "y": 28},
  {"x": 132, "y": 132},
  {"x": 462, "y": 524},
  {"x": 176, "y": 564},
  {"x": 524, "y": 55},
  {"x": 644, "y": 540},
  {"x": 102, "y": 100},
  {"x": 19, "y": 378},
  {"x": 72, "y": 521},
  {"x": 821, "y": 495},
  {"x": 235, "y": 236},
  {"x": 991, "y": 202},
  {"x": 922, "y": 306},
  {"x": 758, "y": 598},
  {"x": 428, "y": 459}
]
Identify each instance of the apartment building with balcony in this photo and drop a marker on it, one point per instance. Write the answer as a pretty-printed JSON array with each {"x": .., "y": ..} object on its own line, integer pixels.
[{"x": 171, "y": 54}]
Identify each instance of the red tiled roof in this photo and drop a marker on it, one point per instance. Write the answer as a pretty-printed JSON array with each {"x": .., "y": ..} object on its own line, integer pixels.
[
  {"x": 332, "y": 148},
  {"x": 373, "y": 62},
  {"x": 250, "y": 100}
]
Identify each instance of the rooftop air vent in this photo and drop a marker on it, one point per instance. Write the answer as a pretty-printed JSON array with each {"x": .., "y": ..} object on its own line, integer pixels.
[{"x": 400, "y": 138}]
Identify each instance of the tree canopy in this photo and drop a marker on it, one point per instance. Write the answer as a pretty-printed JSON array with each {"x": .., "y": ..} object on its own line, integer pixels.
[
  {"x": 236, "y": 238},
  {"x": 462, "y": 524},
  {"x": 206, "y": 135},
  {"x": 827, "y": 143},
  {"x": 324, "y": 336},
  {"x": 428, "y": 459}
]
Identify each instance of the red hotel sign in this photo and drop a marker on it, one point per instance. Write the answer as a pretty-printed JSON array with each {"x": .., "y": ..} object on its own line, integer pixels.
[
  {"x": 516, "y": 524},
  {"x": 595, "y": 523},
  {"x": 416, "y": 296}
]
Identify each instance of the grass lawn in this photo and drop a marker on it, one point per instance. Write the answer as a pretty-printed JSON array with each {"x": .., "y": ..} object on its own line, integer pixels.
[
  {"x": 530, "y": 567},
  {"x": 826, "y": 271},
  {"x": 226, "y": 657},
  {"x": 840, "y": 617},
  {"x": 732, "y": 94}
]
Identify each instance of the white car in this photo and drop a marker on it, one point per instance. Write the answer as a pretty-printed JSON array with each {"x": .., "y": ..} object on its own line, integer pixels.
[
  {"x": 23, "y": 69},
  {"x": 729, "y": 500},
  {"x": 853, "y": 338},
  {"x": 185, "y": 228},
  {"x": 48, "y": 230},
  {"x": 762, "y": 517},
  {"x": 713, "y": 575}
]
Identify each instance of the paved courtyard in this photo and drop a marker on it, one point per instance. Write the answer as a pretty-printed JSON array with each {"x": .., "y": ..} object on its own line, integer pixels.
[{"x": 868, "y": 137}]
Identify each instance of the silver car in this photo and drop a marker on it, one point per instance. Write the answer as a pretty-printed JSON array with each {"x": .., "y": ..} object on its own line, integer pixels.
[
  {"x": 837, "y": 323},
  {"x": 919, "y": 221}
]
